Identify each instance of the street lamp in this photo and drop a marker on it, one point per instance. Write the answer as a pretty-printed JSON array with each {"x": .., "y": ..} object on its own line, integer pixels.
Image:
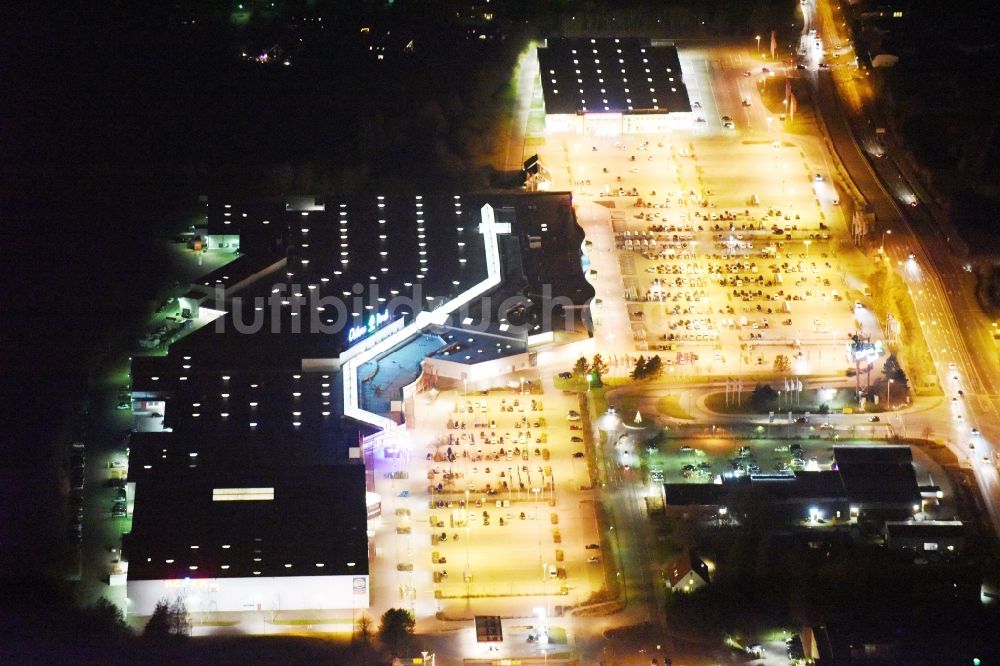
[
  {"x": 807, "y": 244},
  {"x": 758, "y": 46},
  {"x": 888, "y": 391},
  {"x": 881, "y": 249}
]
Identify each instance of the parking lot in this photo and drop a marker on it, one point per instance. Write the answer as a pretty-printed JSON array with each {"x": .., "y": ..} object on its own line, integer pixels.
[
  {"x": 718, "y": 257},
  {"x": 485, "y": 467},
  {"x": 705, "y": 460},
  {"x": 733, "y": 242}
]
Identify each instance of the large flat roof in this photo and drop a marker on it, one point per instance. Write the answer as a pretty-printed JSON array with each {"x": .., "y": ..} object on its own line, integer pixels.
[
  {"x": 611, "y": 75},
  {"x": 470, "y": 347},
  {"x": 336, "y": 254},
  {"x": 872, "y": 454},
  {"x": 887, "y": 483},
  {"x": 235, "y": 397},
  {"x": 929, "y": 529},
  {"x": 302, "y": 521}
]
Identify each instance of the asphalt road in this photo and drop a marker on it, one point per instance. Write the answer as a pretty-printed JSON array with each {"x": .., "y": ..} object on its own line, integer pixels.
[{"x": 957, "y": 333}]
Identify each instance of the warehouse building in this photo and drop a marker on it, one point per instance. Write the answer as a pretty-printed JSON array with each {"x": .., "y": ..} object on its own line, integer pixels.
[
  {"x": 231, "y": 522},
  {"x": 611, "y": 86},
  {"x": 867, "y": 481},
  {"x": 251, "y": 493}
]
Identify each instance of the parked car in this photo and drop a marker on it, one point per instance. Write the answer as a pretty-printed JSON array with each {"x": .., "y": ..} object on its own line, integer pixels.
[{"x": 578, "y": 454}]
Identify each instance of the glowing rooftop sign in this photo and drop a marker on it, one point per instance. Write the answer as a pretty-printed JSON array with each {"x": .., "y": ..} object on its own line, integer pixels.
[
  {"x": 375, "y": 321},
  {"x": 242, "y": 494}
]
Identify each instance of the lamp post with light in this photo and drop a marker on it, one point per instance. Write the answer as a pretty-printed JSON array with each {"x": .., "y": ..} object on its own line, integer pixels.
[
  {"x": 758, "y": 46},
  {"x": 881, "y": 249}
]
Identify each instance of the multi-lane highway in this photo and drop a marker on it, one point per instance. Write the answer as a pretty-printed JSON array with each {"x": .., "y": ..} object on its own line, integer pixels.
[{"x": 958, "y": 335}]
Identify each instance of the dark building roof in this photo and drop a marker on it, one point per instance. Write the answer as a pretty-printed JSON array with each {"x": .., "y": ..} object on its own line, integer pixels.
[
  {"x": 880, "y": 484},
  {"x": 617, "y": 75},
  {"x": 334, "y": 254},
  {"x": 926, "y": 529},
  {"x": 872, "y": 454},
  {"x": 694, "y": 494},
  {"x": 469, "y": 347},
  {"x": 256, "y": 222},
  {"x": 685, "y": 563},
  {"x": 232, "y": 274},
  {"x": 875, "y": 475},
  {"x": 212, "y": 405},
  {"x": 315, "y": 524},
  {"x": 803, "y": 486}
]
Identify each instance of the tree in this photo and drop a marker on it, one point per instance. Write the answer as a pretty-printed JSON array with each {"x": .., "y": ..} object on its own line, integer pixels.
[
  {"x": 581, "y": 368},
  {"x": 364, "y": 651},
  {"x": 168, "y": 619},
  {"x": 781, "y": 363},
  {"x": 363, "y": 630},
  {"x": 180, "y": 621},
  {"x": 597, "y": 369},
  {"x": 654, "y": 367},
  {"x": 396, "y": 631},
  {"x": 892, "y": 370},
  {"x": 639, "y": 371},
  {"x": 158, "y": 625},
  {"x": 763, "y": 397},
  {"x": 105, "y": 620}
]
